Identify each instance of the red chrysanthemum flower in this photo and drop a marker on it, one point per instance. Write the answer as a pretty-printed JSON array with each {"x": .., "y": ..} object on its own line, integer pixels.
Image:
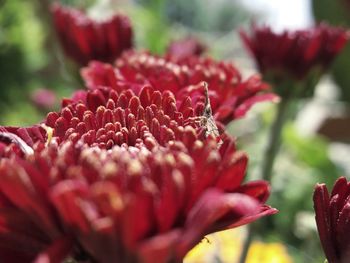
[
  {"x": 123, "y": 204},
  {"x": 230, "y": 96},
  {"x": 333, "y": 220},
  {"x": 103, "y": 117},
  {"x": 294, "y": 53},
  {"x": 184, "y": 48},
  {"x": 84, "y": 39}
]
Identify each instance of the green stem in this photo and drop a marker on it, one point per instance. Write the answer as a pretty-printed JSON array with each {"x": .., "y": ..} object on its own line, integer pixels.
[
  {"x": 248, "y": 240},
  {"x": 274, "y": 140},
  {"x": 271, "y": 151}
]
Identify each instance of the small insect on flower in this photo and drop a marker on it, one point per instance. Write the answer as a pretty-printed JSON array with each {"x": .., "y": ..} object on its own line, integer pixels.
[
  {"x": 206, "y": 240},
  {"x": 207, "y": 119}
]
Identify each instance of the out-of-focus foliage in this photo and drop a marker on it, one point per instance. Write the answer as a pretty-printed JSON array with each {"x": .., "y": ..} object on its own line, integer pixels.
[
  {"x": 151, "y": 25},
  {"x": 78, "y": 3},
  {"x": 157, "y": 22},
  {"x": 206, "y": 15},
  {"x": 311, "y": 151},
  {"x": 29, "y": 60},
  {"x": 337, "y": 13},
  {"x": 301, "y": 163},
  {"x": 332, "y": 11},
  {"x": 20, "y": 56}
]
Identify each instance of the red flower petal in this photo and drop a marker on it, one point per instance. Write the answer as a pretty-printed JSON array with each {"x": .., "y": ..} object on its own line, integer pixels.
[
  {"x": 321, "y": 203},
  {"x": 211, "y": 213}
]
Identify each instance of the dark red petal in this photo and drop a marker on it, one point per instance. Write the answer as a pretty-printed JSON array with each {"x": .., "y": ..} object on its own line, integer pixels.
[
  {"x": 134, "y": 227},
  {"x": 19, "y": 189},
  {"x": 321, "y": 206},
  {"x": 341, "y": 236},
  {"x": 171, "y": 199},
  {"x": 160, "y": 249},
  {"x": 67, "y": 197},
  {"x": 340, "y": 187},
  {"x": 260, "y": 190},
  {"x": 206, "y": 214},
  {"x": 20, "y": 236},
  {"x": 243, "y": 108},
  {"x": 265, "y": 210},
  {"x": 232, "y": 173}
]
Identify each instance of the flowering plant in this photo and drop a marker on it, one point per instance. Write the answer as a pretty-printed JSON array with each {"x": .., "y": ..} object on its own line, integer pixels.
[
  {"x": 294, "y": 55},
  {"x": 140, "y": 165}
]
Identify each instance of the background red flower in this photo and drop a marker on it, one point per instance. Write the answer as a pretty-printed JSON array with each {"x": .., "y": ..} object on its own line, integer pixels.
[{"x": 84, "y": 39}]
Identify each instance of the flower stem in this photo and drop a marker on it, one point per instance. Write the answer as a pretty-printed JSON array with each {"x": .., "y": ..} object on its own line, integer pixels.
[
  {"x": 247, "y": 241},
  {"x": 271, "y": 151},
  {"x": 274, "y": 140}
]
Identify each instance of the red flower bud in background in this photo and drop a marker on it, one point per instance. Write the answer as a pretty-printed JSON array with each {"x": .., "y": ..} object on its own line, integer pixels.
[
  {"x": 294, "y": 54},
  {"x": 44, "y": 99},
  {"x": 333, "y": 220},
  {"x": 84, "y": 39},
  {"x": 184, "y": 48},
  {"x": 230, "y": 96},
  {"x": 123, "y": 204}
]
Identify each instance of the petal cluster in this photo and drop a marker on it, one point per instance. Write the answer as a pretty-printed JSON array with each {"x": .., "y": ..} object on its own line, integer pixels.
[
  {"x": 103, "y": 117},
  {"x": 84, "y": 39},
  {"x": 332, "y": 218},
  {"x": 294, "y": 53},
  {"x": 123, "y": 204},
  {"x": 230, "y": 96}
]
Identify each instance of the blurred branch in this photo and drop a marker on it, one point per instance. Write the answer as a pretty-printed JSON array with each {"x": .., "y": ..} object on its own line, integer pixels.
[
  {"x": 43, "y": 8},
  {"x": 57, "y": 60}
]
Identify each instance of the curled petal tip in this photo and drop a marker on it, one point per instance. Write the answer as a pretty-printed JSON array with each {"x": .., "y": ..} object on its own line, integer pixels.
[{"x": 13, "y": 138}]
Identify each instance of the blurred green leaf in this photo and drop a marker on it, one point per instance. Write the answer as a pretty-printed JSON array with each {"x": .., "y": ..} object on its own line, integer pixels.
[
  {"x": 25, "y": 61},
  {"x": 209, "y": 16},
  {"x": 313, "y": 151},
  {"x": 151, "y": 26},
  {"x": 337, "y": 13}
]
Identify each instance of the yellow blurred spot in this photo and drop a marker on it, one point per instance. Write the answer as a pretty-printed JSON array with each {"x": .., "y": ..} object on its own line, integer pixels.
[
  {"x": 268, "y": 252},
  {"x": 226, "y": 247},
  {"x": 49, "y": 133}
]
